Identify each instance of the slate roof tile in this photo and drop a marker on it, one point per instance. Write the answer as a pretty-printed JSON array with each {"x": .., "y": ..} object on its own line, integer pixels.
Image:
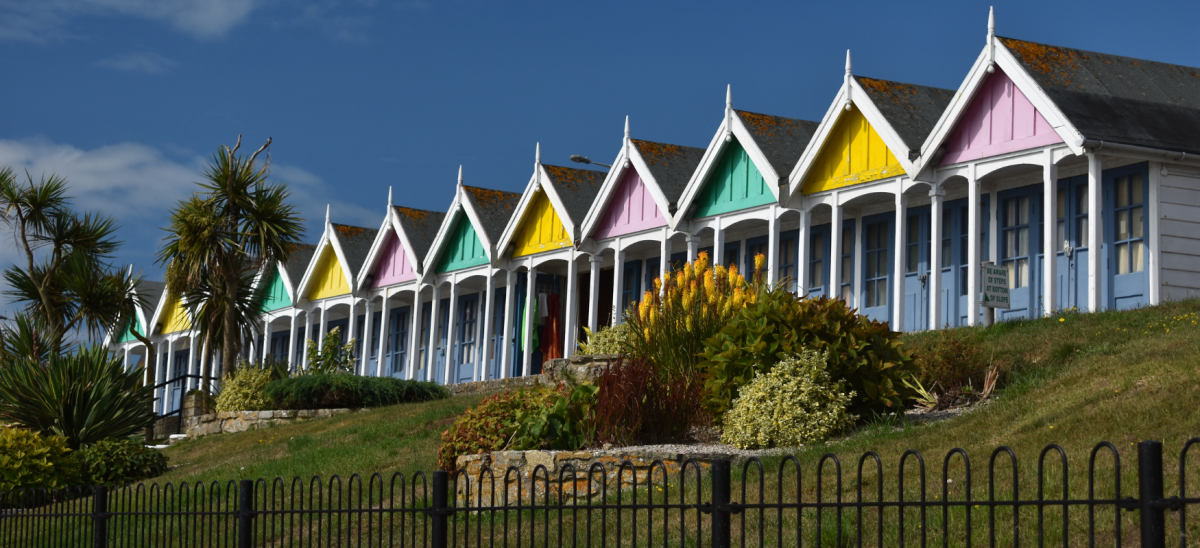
[
  {"x": 671, "y": 166},
  {"x": 781, "y": 140},
  {"x": 910, "y": 109}
]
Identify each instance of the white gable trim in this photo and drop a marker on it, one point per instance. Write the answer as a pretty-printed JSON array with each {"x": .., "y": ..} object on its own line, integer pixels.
[
  {"x": 612, "y": 181},
  {"x": 871, "y": 112},
  {"x": 373, "y": 254},
  {"x": 732, "y": 124},
  {"x": 329, "y": 237},
  {"x": 970, "y": 88},
  {"x": 535, "y": 183},
  {"x": 462, "y": 205}
]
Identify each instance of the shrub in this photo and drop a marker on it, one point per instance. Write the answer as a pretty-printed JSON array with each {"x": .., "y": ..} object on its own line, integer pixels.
[
  {"x": 608, "y": 340},
  {"x": 565, "y": 423},
  {"x": 324, "y": 391},
  {"x": 117, "y": 462},
  {"x": 488, "y": 426},
  {"x": 950, "y": 357},
  {"x": 29, "y": 460},
  {"x": 331, "y": 357},
  {"x": 242, "y": 389},
  {"x": 796, "y": 402},
  {"x": 85, "y": 397},
  {"x": 863, "y": 352},
  {"x": 634, "y": 406}
]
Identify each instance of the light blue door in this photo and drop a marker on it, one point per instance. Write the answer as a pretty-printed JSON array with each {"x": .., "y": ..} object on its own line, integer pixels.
[
  {"x": 1126, "y": 190},
  {"x": 916, "y": 269},
  {"x": 497, "y": 335},
  {"x": 818, "y": 261},
  {"x": 439, "y": 372},
  {"x": 467, "y": 331},
  {"x": 397, "y": 351},
  {"x": 877, "y": 267},
  {"x": 1020, "y": 233},
  {"x": 1071, "y": 243},
  {"x": 178, "y": 369},
  {"x": 424, "y": 355}
]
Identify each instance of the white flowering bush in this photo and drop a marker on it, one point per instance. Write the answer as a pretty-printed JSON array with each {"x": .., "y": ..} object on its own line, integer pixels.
[
  {"x": 796, "y": 402},
  {"x": 608, "y": 340}
]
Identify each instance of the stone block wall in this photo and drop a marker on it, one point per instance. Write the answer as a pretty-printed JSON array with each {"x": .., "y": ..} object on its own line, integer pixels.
[
  {"x": 517, "y": 474},
  {"x": 241, "y": 421},
  {"x": 580, "y": 368}
]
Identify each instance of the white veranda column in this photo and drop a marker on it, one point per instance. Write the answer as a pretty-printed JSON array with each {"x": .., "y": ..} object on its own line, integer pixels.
[
  {"x": 802, "y": 253},
  {"x": 381, "y": 362},
  {"x": 323, "y": 329},
  {"x": 510, "y": 314},
  {"x": 972, "y": 247},
  {"x": 693, "y": 247},
  {"x": 718, "y": 257},
  {"x": 856, "y": 249},
  {"x": 618, "y": 283},
  {"x": 431, "y": 349},
  {"x": 835, "y": 251},
  {"x": 530, "y": 322},
  {"x": 365, "y": 344},
  {"x": 489, "y": 296},
  {"x": 898, "y": 265},
  {"x": 772, "y": 265},
  {"x": 291, "y": 349},
  {"x": 1095, "y": 232},
  {"x": 937, "y": 196},
  {"x": 1049, "y": 233},
  {"x": 452, "y": 357},
  {"x": 572, "y": 306},
  {"x": 166, "y": 376},
  {"x": 594, "y": 261},
  {"x": 664, "y": 264}
]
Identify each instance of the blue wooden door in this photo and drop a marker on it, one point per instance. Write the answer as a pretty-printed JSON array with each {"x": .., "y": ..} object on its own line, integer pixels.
[
  {"x": 424, "y": 356},
  {"x": 877, "y": 267},
  {"x": 517, "y": 345},
  {"x": 1126, "y": 190},
  {"x": 788, "y": 264},
  {"x": 178, "y": 369},
  {"x": 1020, "y": 233},
  {"x": 397, "y": 351},
  {"x": 466, "y": 335},
  {"x": 496, "y": 339},
  {"x": 818, "y": 261},
  {"x": 916, "y": 269},
  {"x": 439, "y": 371},
  {"x": 1071, "y": 243},
  {"x": 631, "y": 286}
]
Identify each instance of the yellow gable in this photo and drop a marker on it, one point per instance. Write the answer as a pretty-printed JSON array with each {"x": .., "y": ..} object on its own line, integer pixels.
[
  {"x": 853, "y": 153},
  {"x": 328, "y": 279},
  {"x": 541, "y": 230},
  {"x": 177, "y": 319}
]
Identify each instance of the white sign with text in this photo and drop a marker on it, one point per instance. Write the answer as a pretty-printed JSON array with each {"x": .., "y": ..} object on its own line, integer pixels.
[{"x": 995, "y": 286}]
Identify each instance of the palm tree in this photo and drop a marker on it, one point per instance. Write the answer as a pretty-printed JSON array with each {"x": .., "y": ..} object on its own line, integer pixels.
[
  {"x": 235, "y": 226},
  {"x": 205, "y": 303}
]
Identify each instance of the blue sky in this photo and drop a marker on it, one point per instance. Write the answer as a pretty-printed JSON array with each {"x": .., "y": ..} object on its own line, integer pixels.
[{"x": 127, "y": 98}]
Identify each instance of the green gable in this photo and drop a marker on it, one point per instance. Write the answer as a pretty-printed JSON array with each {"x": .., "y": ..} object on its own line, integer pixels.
[
  {"x": 126, "y": 336},
  {"x": 276, "y": 296},
  {"x": 462, "y": 249},
  {"x": 733, "y": 184}
]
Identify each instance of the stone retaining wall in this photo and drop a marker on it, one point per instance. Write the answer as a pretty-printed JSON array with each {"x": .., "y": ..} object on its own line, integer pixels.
[
  {"x": 240, "y": 421},
  {"x": 565, "y": 474},
  {"x": 581, "y": 368}
]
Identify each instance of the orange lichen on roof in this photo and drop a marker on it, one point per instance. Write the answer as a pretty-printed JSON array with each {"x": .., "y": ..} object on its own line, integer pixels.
[
  {"x": 571, "y": 177},
  {"x": 418, "y": 215},
  {"x": 295, "y": 247},
  {"x": 656, "y": 150},
  {"x": 489, "y": 198},
  {"x": 896, "y": 90},
  {"x": 1049, "y": 60},
  {"x": 349, "y": 231},
  {"x": 763, "y": 123}
]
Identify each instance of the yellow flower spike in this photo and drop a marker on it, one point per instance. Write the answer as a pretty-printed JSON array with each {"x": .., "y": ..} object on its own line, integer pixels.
[
  {"x": 733, "y": 270},
  {"x": 702, "y": 260},
  {"x": 658, "y": 284},
  {"x": 759, "y": 261}
]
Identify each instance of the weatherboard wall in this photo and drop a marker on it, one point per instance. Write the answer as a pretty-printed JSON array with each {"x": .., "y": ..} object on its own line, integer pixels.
[
  {"x": 276, "y": 296},
  {"x": 329, "y": 280},
  {"x": 394, "y": 266},
  {"x": 463, "y": 248},
  {"x": 541, "y": 230},
  {"x": 631, "y": 209},
  {"x": 853, "y": 153},
  {"x": 1000, "y": 119},
  {"x": 177, "y": 319},
  {"x": 733, "y": 184}
]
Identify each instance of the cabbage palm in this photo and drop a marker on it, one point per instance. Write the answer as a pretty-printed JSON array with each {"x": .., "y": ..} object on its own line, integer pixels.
[{"x": 235, "y": 226}]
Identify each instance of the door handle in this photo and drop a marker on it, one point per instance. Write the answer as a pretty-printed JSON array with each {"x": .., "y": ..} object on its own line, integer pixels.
[
  {"x": 923, "y": 278},
  {"x": 1068, "y": 250}
]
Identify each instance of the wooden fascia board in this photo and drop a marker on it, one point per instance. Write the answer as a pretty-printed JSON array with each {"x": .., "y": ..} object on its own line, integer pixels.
[
  {"x": 714, "y": 150},
  {"x": 158, "y": 310},
  {"x": 882, "y": 127},
  {"x": 756, "y": 155},
  {"x": 643, "y": 170},
  {"x": 409, "y": 250},
  {"x": 607, "y": 188},
  {"x": 376, "y": 247},
  {"x": 1050, "y": 111},
  {"x": 472, "y": 211},
  {"x": 556, "y": 201},
  {"x": 796, "y": 178},
  {"x": 302, "y": 288},
  {"x": 435, "y": 249},
  {"x": 514, "y": 222},
  {"x": 953, "y": 113},
  {"x": 287, "y": 280},
  {"x": 342, "y": 260}
]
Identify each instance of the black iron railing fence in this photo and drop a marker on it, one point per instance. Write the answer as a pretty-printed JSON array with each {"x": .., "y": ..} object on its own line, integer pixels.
[{"x": 693, "y": 504}]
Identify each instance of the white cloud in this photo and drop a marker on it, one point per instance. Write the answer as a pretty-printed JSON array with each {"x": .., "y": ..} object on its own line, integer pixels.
[
  {"x": 138, "y": 184},
  {"x": 42, "y": 20},
  {"x": 150, "y": 63}
]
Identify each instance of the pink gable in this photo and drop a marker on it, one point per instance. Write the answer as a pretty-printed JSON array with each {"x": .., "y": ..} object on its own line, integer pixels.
[
  {"x": 1000, "y": 119},
  {"x": 631, "y": 209},
  {"x": 394, "y": 266}
]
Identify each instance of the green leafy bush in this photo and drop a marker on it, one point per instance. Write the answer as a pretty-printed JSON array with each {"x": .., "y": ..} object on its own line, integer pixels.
[
  {"x": 488, "y": 426},
  {"x": 608, "y": 340},
  {"x": 325, "y": 391},
  {"x": 952, "y": 358},
  {"x": 331, "y": 357},
  {"x": 242, "y": 389},
  {"x": 863, "y": 352},
  {"x": 117, "y": 462},
  {"x": 565, "y": 424},
  {"x": 85, "y": 397},
  {"x": 796, "y": 402},
  {"x": 29, "y": 460}
]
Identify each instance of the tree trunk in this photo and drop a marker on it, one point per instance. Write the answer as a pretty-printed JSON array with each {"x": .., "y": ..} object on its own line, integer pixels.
[{"x": 232, "y": 347}]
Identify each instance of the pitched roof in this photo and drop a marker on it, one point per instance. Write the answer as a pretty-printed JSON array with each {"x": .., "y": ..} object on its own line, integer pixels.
[
  {"x": 781, "y": 140},
  {"x": 421, "y": 226},
  {"x": 1118, "y": 99},
  {"x": 670, "y": 165},
  {"x": 356, "y": 244},
  {"x": 150, "y": 292},
  {"x": 298, "y": 260},
  {"x": 577, "y": 188},
  {"x": 496, "y": 207},
  {"x": 911, "y": 110}
]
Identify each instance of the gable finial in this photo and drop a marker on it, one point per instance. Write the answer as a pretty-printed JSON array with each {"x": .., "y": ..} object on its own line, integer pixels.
[
  {"x": 389, "y": 198},
  {"x": 847, "y": 83},
  {"x": 728, "y": 113},
  {"x": 991, "y": 40},
  {"x": 626, "y": 127},
  {"x": 326, "y": 213},
  {"x": 460, "y": 183},
  {"x": 537, "y": 154}
]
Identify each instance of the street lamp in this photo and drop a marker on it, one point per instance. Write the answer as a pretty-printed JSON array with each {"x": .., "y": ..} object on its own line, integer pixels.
[{"x": 585, "y": 160}]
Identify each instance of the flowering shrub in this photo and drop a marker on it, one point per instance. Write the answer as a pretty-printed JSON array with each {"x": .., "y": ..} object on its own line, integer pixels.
[
  {"x": 608, "y": 340},
  {"x": 331, "y": 356},
  {"x": 634, "y": 406},
  {"x": 796, "y": 402},
  {"x": 243, "y": 389},
  {"x": 488, "y": 426}
]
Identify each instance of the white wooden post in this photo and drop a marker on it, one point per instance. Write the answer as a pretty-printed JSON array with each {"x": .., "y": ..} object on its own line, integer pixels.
[
  {"x": 1049, "y": 233},
  {"x": 510, "y": 313},
  {"x": 835, "y": 251},
  {"x": 972, "y": 247},
  {"x": 898, "y": 264},
  {"x": 718, "y": 257},
  {"x": 937, "y": 195},
  {"x": 802, "y": 253},
  {"x": 772, "y": 245},
  {"x": 618, "y": 282},
  {"x": 664, "y": 264},
  {"x": 530, "y": 323},
  {"x": 595, "y": 260},
  {"x": 572, "y": 306},
  {"x": 481, "y": 363},
  {"x": 693, "y": 247},
  {"x": 1095, "y": 234},
  {"x": 365, "y": 344},
  {"x": 431, "y": 349},
  {"x": 291, "y": 350},
  {"x": 856, "y": 248},
  {"x": 452, "y": 357}
]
